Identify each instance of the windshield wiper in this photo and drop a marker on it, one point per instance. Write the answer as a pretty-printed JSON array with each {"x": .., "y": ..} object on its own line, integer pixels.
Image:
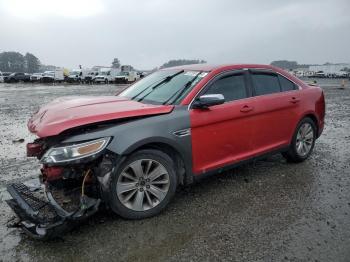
[
  {"x": 165, "y": 80},
  {"x": 180, "y": 92}
]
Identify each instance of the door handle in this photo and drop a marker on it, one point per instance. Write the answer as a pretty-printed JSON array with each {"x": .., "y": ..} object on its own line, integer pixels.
[
  {"x": 294, "y": 100},
  {"x": 246, "y": 108}
]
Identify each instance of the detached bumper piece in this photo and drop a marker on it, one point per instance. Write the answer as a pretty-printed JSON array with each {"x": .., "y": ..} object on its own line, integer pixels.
[{"x": 42, "y": 219}]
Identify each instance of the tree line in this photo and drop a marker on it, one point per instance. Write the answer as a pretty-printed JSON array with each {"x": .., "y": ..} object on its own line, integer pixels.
[
  {"x": 290, "y": 65},
  {"x": 179, "y": 62},
  {"x": 16, "y": 62},
  {"x": 175, "y": 62}
]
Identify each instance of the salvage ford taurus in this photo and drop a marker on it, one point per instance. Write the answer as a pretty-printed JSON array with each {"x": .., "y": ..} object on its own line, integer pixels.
[{"x": 130, "y": 152}]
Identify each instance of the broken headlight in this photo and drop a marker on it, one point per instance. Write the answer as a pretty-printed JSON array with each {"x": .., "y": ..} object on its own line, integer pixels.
[{"x": 74, "y": 152}]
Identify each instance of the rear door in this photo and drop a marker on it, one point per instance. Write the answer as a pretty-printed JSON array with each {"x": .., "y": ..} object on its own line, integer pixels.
[
  {"x": 222, "y": 134},
  {"x": 276, "y": 107}
]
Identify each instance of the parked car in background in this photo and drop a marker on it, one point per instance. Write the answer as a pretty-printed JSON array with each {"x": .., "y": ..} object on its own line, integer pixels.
[
  {"x": 341, "y": 74},
  {"x": 127, "y": 77},
  {"x": 90, "y": 77},
  {"x": 106, "y": 75},
  {"x": 169, "y": 129},
  {"x": 1, "y": 78},
  {"x": 53, "y": 76},
  {"x": 36, "y": 77},
  {"x": 17, "y": 77},
  {"x": 5, "y": 75},
  {"x": 319, "y": 74},
  {"x": 76, "y": 76},
  {"x": 141, "y": 74}
]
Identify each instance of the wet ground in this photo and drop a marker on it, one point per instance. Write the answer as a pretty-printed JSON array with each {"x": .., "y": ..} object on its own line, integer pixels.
[{"x": 265, "y": 211}]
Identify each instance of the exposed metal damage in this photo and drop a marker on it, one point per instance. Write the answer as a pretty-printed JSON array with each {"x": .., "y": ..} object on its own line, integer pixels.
[{"x": 66, "y": 195}]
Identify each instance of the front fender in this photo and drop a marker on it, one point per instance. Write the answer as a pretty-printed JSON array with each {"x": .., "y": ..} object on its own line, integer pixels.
[{"x": 129, "y": 136}]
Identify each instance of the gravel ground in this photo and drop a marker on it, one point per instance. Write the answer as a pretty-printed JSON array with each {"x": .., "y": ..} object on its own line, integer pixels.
[{"x": 265, "y": 211}]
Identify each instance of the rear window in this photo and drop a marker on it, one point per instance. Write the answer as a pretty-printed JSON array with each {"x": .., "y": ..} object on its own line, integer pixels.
[
  {"x": 286, "y": 84},
  {"x": 265, "y": 83}
]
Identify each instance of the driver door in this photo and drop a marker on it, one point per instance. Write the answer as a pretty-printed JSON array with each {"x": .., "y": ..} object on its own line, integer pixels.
[{"x": 222, "y": 134}]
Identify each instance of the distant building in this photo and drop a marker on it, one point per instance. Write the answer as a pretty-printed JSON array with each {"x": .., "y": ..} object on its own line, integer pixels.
[{"x": 126, "y": 68}]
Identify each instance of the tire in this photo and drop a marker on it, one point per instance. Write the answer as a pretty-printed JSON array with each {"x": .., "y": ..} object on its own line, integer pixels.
[
  {"x": 137, "y": 201},
  {"x": 299, "y": 151}
]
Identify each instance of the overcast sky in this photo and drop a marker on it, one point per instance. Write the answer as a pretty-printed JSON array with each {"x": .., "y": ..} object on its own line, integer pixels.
[{"x": 147, "y": 33}]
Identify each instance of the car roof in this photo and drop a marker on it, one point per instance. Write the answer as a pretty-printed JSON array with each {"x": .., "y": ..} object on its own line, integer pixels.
[
  {"x": 210, "y": 67},
  {"x": 221, "y": 68}
]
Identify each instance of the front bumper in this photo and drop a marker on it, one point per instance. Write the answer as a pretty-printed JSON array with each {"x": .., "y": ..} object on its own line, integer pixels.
[
  {"x": 72, "y": 79},
  {"x": 120, "y": 80},
  {"x": 100, "y": 80},
  {"x": 45, "y": 219}
]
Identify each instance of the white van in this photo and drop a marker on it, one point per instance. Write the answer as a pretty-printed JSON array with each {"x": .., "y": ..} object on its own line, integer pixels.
[
  {"x": 90, "y": 76},
  {"x": 127, "y": 77},
  {"x": 53, "y": 76},
  {"x": 106, "y": 75},
  {"x": 77, "y": 75}
]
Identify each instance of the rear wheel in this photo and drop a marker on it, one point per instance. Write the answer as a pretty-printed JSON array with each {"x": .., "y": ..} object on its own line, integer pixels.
[
  {"x": 303, "y": 141},
  {"x": 143, "y": 185}
]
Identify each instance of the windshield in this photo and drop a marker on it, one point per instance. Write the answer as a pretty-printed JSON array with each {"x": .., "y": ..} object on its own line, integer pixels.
[
  {"x": 73, "y": 73},
  {"x": 156, "y": 89}
]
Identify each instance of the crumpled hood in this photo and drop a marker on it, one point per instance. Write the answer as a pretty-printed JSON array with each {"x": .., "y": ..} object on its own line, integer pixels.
[{"x": 69, "y": 112}]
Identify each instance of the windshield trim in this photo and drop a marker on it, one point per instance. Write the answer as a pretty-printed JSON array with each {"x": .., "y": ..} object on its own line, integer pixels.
[{"x": 197, "y": 74}]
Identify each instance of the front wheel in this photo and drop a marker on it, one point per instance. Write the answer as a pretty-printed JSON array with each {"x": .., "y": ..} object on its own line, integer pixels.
[
  {"x": 143, "y": 185},
  {"x": 303, "y": 141}
]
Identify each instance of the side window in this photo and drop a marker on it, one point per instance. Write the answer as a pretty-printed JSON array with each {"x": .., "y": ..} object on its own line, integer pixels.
[
  {"x": 232, "y": 87},
  {"x": 286, "y": 84},
  {"x": 265, "y": 83}
]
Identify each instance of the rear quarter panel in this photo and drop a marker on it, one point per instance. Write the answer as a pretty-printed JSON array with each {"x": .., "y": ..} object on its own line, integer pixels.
[{"x": 313, "y": 103}]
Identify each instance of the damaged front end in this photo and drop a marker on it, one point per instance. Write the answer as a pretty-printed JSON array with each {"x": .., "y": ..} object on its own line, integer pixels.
[{"x": 73, "y": 184}]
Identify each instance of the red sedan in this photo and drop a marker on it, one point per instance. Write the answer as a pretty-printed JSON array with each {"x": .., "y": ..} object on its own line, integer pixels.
[{"x": 131, "y": 151}]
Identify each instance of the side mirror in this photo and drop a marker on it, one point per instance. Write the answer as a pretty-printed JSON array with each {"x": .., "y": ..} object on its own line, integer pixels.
[{"x": 206, "y": 101}]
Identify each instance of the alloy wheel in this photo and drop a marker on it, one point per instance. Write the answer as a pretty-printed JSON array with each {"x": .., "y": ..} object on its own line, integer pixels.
[
  {"x": 305, "y": 139},
  {"x": 143, "y": 184}
]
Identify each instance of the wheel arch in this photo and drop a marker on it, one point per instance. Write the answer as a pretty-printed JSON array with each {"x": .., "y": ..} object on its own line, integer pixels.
[
  {"x": 310, "y": 115},
  {"x": 314, "y": 118},
  {"x": 183, "y": 167}
]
